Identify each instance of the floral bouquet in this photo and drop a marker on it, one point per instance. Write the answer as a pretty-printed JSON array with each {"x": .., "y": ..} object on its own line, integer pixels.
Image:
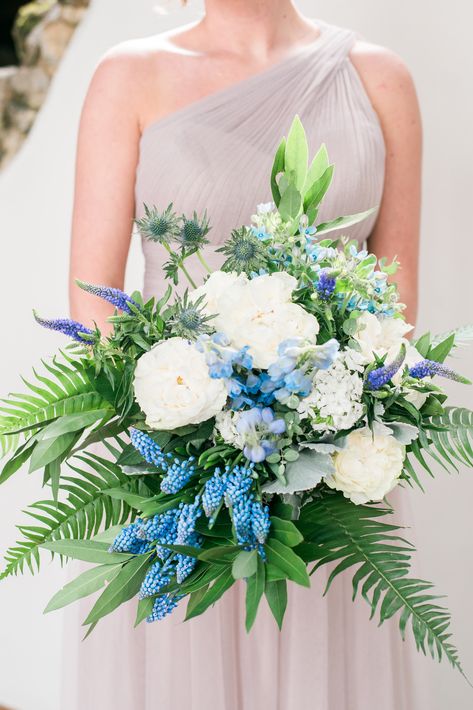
[{"x": 249, "y": 429}]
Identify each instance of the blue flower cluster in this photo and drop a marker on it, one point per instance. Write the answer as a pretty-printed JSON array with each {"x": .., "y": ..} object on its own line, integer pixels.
[
  {"x": 429, "y": 368},
  {"x": 382, "y": 375},
  {"x": 115, "y": 296},
  {"x": 260, "y": 430},
  {"x": 71, "y": 328},
  {"x": 251, "y": 519},
  {"x": 174, "y": 527},
  {"x": 325, "y": 285},
  {"x": 178, "y": 472}
]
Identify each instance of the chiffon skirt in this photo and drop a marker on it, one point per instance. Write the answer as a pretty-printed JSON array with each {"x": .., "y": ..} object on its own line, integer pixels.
[{"x": 328, "y": 656}]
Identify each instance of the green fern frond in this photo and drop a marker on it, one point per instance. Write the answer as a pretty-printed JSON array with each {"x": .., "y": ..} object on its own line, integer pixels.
[
  {"x": 463, "y": 335},
  {"x": 66, "y": 390},
  {"x": 346, "y": 534},
  {"x": 86, "y": 509}
]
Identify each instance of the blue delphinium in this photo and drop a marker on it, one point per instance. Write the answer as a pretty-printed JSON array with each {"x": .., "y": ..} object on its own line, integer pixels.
[
  {"x": 71, "y": 328},
  {"x": 260, "y": 430},
  {"x": 221, "y": 357},
  {"x": 115, "y": 296}
]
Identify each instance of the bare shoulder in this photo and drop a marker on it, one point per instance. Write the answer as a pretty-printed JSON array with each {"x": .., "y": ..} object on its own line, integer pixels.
[{"x": 387, "y": 80}]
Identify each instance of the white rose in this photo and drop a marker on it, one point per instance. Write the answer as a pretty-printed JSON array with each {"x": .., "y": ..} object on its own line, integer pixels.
[
  {"x": 368, "y": 468},
  {"x": 173, "y": 386},
  {"x": 413, "y": 356},
  {"x": 259, "y": 313},
  {"x": 380, "y": 335},
  {"x": 214, "y": 288}
]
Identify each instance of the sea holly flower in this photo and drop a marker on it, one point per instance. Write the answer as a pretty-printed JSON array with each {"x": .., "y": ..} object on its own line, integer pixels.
[
  {"x": 160, "y": 227},
  {"x": 244, "y": 251},
  {"x": 190, "y": 319},
  {"x": 192, "y": 233},
  {"x": 71, "y": 328},
  {"x": 115, "y": 296}
]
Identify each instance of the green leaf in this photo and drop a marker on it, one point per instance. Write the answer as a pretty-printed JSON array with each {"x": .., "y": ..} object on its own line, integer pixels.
[
  {"x": 443, "y": 349},
  {"x": 286, "y": 559},
  {"x": 347, "y": 535},
  {"x": 132, "y": 499},
  {"x": 278, "y": 167},
  {"x": 123, "y": 587},
  {"x": 291, "y": 203},
  {"x": 297, "y": 154},
  {"x": 21, "y": 455},
  {"x": 245, "y": 564},
  {"x": 463, "y": 335},
  {"x": 422, "y": 345},
  {"x": 74, "y": 422},
  {"x": 87, "y": 583},
  {"x": 86, "y": 550},
  {"x": 318, "y": 189},
  {"x": 108, "y": 535},
  {"x": 276, "y": 594},
  {"x": 285, "y": 531},
  {"x": 302, "y": 475},
  {"x": 144, "y": 609},
  {"x": 218, "y": 587},
  {"x": 51, "y": 449},
  {"x": 254, "y": 591},
  {"x": 317, "y": 168},
  {"x": 341, "y": 222}
]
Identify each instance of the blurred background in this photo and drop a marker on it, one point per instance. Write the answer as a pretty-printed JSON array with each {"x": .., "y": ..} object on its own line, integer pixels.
[{"x": 48, "y": 51}]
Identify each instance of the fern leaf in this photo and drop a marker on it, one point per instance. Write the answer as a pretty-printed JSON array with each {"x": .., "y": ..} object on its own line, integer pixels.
[
  {"x": 86, "y": 508},
  {"x": 349, "y": 535},
  {"x": 463, "y": 335}
]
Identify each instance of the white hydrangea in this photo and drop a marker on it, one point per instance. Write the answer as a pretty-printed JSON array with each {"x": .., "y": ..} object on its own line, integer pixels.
[
  {"x": 226, "y": 425},
  {"x": 335, "y": 401},
  {"x": 369, "y": 467}
]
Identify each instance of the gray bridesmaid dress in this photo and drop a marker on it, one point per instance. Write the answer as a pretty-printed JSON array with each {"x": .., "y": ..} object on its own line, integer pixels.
[{"x": 216, "y": 154}]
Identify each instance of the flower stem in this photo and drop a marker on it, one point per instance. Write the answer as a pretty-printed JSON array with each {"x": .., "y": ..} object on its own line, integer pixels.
[
  {"x": 187, "y": 275},
  {"x": 203, "y": 262}
]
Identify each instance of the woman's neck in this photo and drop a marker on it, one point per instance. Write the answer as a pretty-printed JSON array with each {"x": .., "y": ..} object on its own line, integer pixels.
[{"x": 257, "y": 28}]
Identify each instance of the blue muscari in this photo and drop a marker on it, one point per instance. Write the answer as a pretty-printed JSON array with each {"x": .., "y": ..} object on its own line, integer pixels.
[
  {"x": 129, "y": 540},
  {"x": 115, "y": 296},
  {"x": 68, "y": 327},
  {"x": 178, "y": 473},
  {"x": 325, "y": 285}
]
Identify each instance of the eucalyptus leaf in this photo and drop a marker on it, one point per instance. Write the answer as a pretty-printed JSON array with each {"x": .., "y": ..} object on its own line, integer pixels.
[
  {"x": 87, "y": 583},
  {"x": 304, "y": 474},
  {"x": 341, "y": 222},
  {"x": 134, "y": 501},
  {"x": 86, "y": 550},
  {"x": 286, "y": 559},
  {"x": 245, "y": 564},
  {"x": 276, "y": 595},
  {"x": 51, "y": 449}
]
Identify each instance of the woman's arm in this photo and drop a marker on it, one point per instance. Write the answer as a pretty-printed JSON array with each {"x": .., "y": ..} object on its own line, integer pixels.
[
  {"x": 107, "y": 154},
  {"x": 392, "y": 92}
]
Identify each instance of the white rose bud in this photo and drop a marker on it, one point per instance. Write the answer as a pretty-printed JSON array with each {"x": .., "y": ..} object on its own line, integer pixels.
[
  {"x": 173, "y": 386},
  {"x": 368, "y": 468}
]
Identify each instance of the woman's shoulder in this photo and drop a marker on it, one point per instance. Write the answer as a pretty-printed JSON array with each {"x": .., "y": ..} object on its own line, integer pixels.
[{"x": 386, "y": 76}]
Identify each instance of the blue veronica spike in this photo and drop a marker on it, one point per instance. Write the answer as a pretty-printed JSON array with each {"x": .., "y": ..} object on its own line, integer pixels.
[
  {"x": 429, "y": 368},
  {"x": 382, "y": 375},
  {"x": 325, "y": 286},
  {"x": 115, "y": 296},
  {"x": 69, "y": 327}
]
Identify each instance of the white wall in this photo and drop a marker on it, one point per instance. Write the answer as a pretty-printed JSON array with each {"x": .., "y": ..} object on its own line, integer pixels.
[{"x": 35, "y": 207}]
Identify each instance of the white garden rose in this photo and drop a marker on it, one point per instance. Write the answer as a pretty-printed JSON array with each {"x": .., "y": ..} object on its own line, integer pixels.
[
  {"x": 369, "y": 467},
  {"x": 380, "y": 335},
  {"x": 214, "y": 288},
  {"x": 259, "y": 313},
  {"x": 173, "y": 386}
]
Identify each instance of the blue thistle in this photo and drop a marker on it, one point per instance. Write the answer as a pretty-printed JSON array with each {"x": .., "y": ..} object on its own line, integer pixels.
[
  {"x": 71, "y": 328},
  {"x": 244, "y": 252},
  {"x": 160, "y": 227},
  {"x": 429, "y": 368},
  {"x": 382, "y": 375},
  {"x": 325, "y": 286},
  {"x": 192, "y": 233},
  {"x": 115, "y": 296}
]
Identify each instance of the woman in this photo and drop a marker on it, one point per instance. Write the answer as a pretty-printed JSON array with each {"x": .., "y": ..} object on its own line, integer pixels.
[{"x": 194, "y": 117}]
